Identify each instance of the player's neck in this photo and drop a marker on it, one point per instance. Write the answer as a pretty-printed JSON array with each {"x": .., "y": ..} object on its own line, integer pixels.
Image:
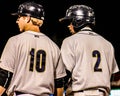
[{"x": 32, "y": 28}]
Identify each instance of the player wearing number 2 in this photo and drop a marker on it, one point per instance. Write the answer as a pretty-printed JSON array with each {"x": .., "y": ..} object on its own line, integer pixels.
[
  {"x": 88, "y": 57},
  {"x": 30, "y": 61}
]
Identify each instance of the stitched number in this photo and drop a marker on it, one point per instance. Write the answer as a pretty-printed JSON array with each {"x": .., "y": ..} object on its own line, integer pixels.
[
  {"x": 38, "y": 60},
  {"x": 97, "y": 55}
]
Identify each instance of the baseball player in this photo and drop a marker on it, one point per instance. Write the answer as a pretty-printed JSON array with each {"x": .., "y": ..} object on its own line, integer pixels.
[
  {"x": 88, "y": 57},
  {"x": 31, "y": 62}
]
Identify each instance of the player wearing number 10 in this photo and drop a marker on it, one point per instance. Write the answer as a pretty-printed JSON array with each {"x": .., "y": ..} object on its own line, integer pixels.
[
  {"x": 31, "y": 58},
  {"x": 88, "y": 57}
]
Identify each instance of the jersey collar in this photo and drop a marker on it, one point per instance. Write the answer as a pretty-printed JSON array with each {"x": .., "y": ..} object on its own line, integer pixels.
[{"x": 87, "y": 31}]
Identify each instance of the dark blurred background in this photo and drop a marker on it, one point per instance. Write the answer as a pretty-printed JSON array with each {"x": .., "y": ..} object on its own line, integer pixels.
[
  {"x": 106, "y": 20},
  {"x": 54, "y": 10}
]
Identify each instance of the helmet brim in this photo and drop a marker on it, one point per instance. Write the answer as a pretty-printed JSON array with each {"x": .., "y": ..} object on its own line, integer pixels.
[
  {"x": 14, "y": 14},
  {"x": 65, "y": 19},
  {"x": 21, "y": 14}
]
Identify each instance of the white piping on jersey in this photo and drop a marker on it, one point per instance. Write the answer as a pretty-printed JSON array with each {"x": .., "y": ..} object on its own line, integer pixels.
[
  {"x": 86, "y": 29},
  {"x": 8, "y": 75}
]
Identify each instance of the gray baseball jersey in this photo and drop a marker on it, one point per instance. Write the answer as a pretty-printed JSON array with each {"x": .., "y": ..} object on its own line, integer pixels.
[
  {"x": 33, "y": 59},
  {"x": 90, "y": 58}
]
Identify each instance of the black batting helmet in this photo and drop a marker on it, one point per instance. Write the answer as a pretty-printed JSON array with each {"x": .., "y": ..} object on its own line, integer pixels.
[
  {"x": 31, "y": 9},
  {"x": 79, "y": 15}
]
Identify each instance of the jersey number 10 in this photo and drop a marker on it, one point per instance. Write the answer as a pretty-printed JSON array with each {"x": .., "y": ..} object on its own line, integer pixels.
[{"x": 37, "y": 60}]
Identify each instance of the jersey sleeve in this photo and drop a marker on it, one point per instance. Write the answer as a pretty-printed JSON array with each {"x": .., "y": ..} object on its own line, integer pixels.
[
  {"x": 67, "y": 55},
  {"x": 60, "y": 69},
  {"x": 8, "y": 55},
  {"x": 115, "y": 66}
]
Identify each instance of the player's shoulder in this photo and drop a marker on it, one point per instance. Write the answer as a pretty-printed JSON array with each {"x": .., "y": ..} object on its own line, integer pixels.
[
  {"x": 15, "y": 38},
  {"x": 70, "y": 38},
  {"x": 50, "y": 41},
  {"x": 107, "y": 42}
]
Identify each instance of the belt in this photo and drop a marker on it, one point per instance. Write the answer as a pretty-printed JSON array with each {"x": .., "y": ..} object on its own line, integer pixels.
[
  {"x": 20, "y": 93},
  {"x": 101, "y": 90},
  {"x": 88, "y": 89}
]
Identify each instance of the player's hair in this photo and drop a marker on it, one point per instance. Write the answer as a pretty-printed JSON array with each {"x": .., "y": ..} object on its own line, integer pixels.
[{"x": 36, "y": 21}]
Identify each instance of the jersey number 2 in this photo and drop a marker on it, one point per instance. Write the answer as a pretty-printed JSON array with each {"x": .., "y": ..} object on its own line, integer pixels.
[
  {"x": 38, "y": 60},
  {"x": 96, "y": 54}
]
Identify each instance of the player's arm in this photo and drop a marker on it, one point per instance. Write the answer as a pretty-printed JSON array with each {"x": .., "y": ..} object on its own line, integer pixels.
[
  {"x": 115, "y": 79},
  {"x": 59, "y": 86},
  {"x": 5, "y": 78},
  {"x": 2, "y": 89},
  {"x": 67, "y": 79}
]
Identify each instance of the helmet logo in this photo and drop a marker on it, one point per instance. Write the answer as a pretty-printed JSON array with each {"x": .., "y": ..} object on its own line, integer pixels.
[{"x": 20, "y": 9}]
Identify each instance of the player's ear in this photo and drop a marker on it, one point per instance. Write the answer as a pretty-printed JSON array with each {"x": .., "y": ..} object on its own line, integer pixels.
[
  {"x": 27, "y": 19},
  {"x": 41, "y": 22}
]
